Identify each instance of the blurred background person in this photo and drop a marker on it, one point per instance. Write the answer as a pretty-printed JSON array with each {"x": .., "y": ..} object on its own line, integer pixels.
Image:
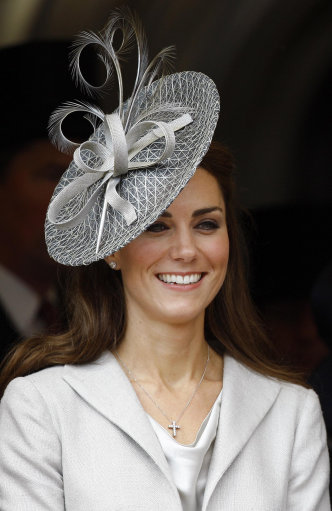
[
  {"x": 289, "y": 250},
  {"x": 35, "y": 77}
]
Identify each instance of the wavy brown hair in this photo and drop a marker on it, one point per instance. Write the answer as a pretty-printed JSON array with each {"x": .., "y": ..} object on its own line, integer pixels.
[{"x": 95, "y": 307}]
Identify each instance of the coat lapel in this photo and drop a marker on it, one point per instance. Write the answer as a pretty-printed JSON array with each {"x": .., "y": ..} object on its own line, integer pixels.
[
  {"x": 104, "y": 385},
  {"x": 247, "y": 398}
]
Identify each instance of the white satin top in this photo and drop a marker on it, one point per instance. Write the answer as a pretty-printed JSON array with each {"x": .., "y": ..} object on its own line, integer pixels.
[{"x": 189, "y": 464}]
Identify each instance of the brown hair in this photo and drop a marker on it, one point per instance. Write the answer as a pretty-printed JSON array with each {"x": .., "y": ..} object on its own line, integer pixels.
[{"x": 96, "y": 307}]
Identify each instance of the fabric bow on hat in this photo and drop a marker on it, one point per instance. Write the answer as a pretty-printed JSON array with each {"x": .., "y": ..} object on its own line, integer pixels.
[
  {"x": 138, "y": 158},
  {"x": 115, "y": 159}
]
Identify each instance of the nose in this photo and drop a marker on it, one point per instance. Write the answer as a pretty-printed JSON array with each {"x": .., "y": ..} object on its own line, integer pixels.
[{"x": 183, "y": 246}]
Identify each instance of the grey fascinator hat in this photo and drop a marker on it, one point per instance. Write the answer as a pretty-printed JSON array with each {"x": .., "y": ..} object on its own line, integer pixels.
[{"x": 138, "y": 158}]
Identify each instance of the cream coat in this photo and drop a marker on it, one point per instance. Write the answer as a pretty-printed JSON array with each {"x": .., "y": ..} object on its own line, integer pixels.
[{"x": 76, "y": 438}]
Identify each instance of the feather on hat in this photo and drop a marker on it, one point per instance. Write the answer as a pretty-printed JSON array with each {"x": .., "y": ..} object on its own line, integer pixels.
[{"x": 139, "y": 157}]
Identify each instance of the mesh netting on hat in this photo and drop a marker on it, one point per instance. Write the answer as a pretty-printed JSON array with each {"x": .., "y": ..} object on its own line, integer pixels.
[{"x": 150, "y": 190}]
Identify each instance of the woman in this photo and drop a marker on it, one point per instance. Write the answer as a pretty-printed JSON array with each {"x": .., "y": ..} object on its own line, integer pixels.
[{"x": 163, "y": 394}]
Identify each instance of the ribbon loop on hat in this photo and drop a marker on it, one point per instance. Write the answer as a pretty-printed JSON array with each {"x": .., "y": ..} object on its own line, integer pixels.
[
  {"x": 114, "y": 134},
  {"x": 111, "y": 161}
]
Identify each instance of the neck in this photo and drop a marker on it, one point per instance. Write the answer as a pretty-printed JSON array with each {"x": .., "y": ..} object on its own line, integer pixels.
[{"x": 170, "y": 354}]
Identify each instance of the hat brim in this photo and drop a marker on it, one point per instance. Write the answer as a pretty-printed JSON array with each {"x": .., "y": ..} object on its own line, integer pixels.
[{"x": 149, "y": 190}]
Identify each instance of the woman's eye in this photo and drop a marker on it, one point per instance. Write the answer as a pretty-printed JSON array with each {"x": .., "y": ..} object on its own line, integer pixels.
[
  {"x": 157, "y": 227},
  {"x": 208, "y": 225}
]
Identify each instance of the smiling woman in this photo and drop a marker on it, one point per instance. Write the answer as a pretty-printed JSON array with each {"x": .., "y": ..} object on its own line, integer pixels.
[
  {"x": 173, "y": 270},
  {"x": 164, "y": 393}
]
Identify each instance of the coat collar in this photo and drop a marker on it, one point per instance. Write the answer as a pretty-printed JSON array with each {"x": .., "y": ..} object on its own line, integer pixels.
[
  {"x": 104, "y": 385},
  {"x": 247, "y": 398}
]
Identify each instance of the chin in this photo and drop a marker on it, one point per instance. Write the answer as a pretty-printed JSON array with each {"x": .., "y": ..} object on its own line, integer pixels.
[{"x": 181, "y": 315}]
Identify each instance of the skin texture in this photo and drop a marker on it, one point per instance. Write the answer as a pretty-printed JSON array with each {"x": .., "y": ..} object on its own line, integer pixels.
[{"x": 164, "y": 341}]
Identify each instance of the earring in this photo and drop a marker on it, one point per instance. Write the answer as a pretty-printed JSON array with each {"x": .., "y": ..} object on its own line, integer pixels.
[{"x": 112, "y": 265}]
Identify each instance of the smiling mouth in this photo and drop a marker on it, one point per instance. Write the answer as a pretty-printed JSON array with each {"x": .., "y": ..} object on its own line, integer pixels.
[{"x": 169, "y": 278}]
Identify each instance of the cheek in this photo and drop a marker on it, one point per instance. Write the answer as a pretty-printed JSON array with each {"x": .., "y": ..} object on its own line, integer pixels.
[
  {"x": 136, "y": 258},
  {"x": 219, "y": 252}
]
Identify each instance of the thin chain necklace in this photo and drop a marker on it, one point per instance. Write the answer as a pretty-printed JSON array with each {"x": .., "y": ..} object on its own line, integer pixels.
[{"x": 174, "y": 424}]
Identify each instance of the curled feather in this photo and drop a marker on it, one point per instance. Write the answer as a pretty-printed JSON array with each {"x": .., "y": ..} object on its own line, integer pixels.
[
  {"x": 122, "y": 20},
  {"x": 57, "y": 137},
  {"x": 83, "y": 40},
  {"x": 132, "y": 33},
  {"x": 161, "y": 64},
  {"x": 157, "y": 67}
]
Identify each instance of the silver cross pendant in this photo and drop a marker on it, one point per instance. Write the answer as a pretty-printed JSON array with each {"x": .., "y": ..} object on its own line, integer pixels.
[{"x": 174, "y": 427}]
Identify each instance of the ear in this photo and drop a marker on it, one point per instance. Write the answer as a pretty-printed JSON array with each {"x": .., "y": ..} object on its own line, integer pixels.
[{"x": 112, "y": 261}]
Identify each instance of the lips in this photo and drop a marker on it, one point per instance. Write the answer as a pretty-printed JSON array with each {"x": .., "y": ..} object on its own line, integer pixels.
[{"x": 171, "y": 278}]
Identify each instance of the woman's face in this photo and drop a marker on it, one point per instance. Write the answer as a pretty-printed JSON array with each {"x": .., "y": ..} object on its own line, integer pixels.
[{"x": 175, "y": 268}]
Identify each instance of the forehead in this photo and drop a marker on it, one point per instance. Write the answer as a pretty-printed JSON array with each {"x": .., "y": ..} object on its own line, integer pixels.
[{"x": 201, "y": 191}]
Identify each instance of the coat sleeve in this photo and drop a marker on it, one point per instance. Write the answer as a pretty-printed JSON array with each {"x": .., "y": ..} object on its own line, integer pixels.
[
  {"x": 30, "y": 452},
  {"x": 309, "y": 479}
]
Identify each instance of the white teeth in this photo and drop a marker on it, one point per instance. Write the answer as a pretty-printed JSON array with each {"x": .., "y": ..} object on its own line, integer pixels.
[{"x": 179, "y": 279}]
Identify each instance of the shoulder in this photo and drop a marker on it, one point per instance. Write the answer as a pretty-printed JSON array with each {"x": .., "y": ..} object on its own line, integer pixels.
[
  {"x": 300, "y": 402},
  {"x": 35, "y": 394},
  {"x": 54, "y": 384},
  {"x": 46, "y": 380},
  {"x": 47, "y": 384},
  {"x": 43, "y": 396},
  {"x": 293, "y": 398}
]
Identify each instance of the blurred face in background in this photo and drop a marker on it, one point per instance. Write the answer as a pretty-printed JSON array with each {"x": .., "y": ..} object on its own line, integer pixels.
[{"x": 25, "y": 191}]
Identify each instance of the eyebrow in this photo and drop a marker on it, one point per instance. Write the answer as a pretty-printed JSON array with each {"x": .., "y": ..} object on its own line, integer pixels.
[{"x": 197, "y": 212}]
